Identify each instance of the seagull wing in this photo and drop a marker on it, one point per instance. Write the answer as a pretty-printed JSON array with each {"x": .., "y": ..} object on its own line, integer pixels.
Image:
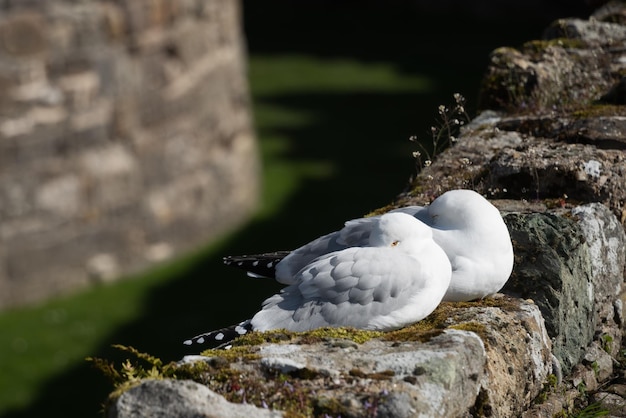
[
  {"x": 368, "y": 288},
  {"x": 355, "y": 233}
]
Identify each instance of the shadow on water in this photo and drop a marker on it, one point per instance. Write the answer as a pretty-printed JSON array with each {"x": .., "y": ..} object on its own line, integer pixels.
[{"x": 363, "y": 135}]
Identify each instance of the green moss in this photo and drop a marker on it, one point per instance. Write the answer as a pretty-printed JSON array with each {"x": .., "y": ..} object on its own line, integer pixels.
[
  {"x": 243, "y": 352},
  {"x": 324, "y": 334},
  {"x": 331, "y": 407},
  {"x": 246, "y": 347},
  {"x": 443, "y": 318},
  {"x": 607, "y": 343},
  {"x": 257, "y": 338},
  {"x": 383, "y": 375},
  {"x": 548, "y": 387},
  {"x": 381, "y": 211},
  {"x": 474, "y": 327},
  {"x": 595, "y": 110},
  {"x": 325, "y": 406},
  {"x": 358, "y": 336},
  {"x": 539, "y": 46},
  {"x": 417, "y": 332},
  {"x": 505, "y": 303},
  {"x": 426, "y": 329},
  {"x": 357, "y": 373},
  {"x": 130, "y": 373}
]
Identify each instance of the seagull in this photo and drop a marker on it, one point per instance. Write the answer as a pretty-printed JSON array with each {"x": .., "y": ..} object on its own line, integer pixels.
[
  {"x": 464, "y": 224},
  {"x": 474, "y": 236},
  {"x": 398, "y": 276}
]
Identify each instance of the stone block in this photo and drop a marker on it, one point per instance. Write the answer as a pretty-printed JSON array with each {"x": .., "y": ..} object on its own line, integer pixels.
[
  {"x": 23, "y": 34},
  {"x": 184, "y": 399},
  {"x": 109, "y": 106},
  {"x": 446, "y": 371}
]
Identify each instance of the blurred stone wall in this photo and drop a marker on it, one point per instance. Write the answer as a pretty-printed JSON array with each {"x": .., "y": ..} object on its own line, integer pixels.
[{"x": 125, "y": 137}]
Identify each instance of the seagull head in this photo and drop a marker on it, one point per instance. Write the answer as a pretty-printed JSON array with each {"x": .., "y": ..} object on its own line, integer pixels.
[
  {"x": 459, "y": 209},
  {"x": 398, "y": 230}
]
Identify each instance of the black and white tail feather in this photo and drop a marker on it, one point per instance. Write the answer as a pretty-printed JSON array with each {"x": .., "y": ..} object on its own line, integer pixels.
[
  {"x": 221, "y": 338},
  {"x": 259, "y": 266}
]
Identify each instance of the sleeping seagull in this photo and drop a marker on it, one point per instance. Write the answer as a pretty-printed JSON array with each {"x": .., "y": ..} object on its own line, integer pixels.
[
  {"x": 396, "y": 277},
  {"x": 468, "y": 228}
]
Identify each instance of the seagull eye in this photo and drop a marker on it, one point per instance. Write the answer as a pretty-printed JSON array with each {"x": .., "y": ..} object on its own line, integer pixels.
[{"x": 393, "y": 244}]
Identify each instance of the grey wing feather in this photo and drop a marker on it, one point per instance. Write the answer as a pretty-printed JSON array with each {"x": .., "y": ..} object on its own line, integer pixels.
[
  {"x": 323, "y": 297},
  {"x": 355, "y": 233}
]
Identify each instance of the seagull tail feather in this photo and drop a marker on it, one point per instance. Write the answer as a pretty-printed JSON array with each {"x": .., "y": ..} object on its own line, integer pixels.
[
  {"x": 220, "y": 338},
  {"x": 258, "y": 265}
]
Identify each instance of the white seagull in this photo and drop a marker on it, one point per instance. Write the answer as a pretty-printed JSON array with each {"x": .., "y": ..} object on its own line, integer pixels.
[
  {"x": 468, "y": 228},
  {"x": 397, "y": 276},
  {"x": 474, "y": 236}
]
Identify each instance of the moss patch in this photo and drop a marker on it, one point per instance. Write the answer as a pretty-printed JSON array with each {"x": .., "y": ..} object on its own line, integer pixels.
[
  {"x": 238, "y": 353},
  {"x": 474, "y": 327},
  {"x": 308, "y": 337},
  {"x": 450, "y": 315},
  {"x": 597, "y": 110},
  {"x": 537, "y": 47}
]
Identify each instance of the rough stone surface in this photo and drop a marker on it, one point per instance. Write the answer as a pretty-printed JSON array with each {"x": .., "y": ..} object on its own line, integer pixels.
[
  {"x": 125, "y": 138},
  {"x": 451, "y": 372},
  {"x": 553, "y": 269},
  {"x": 438, "y": 378},
  {"x": 605, "y": 238},
  {"x": 182, "y": 399},
  {"x": 571, "y": 264}
]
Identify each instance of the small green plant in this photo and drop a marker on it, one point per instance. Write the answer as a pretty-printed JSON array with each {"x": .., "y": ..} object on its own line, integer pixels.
[
  {"x": 444, "y": 132},
  {"x": 548, "y": 387},
  {"x": 130, "y": 373},
  {"x": 607, "y": 343},
  {"x": 592, "y": 410},
  {"x": 595, "y": 367}
]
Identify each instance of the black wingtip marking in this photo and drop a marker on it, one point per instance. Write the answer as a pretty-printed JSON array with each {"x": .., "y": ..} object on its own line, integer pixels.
[
  {"x": 261, "y": 265},
  {"x": 221, "y": 337}
]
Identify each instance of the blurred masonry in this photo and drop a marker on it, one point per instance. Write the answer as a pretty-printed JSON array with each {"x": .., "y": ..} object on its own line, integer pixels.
[{"x": 125, "y": 138}]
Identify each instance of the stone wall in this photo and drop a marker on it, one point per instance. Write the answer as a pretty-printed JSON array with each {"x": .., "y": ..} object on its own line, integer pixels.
[{"x": 125, "y": 137}]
